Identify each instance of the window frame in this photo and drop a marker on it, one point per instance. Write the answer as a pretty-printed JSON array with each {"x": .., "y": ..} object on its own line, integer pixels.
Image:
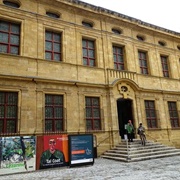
[
  {"x": 6, "y": 117},
  {"x": 53, "y": 119},
  {"x": 52, "y": 41},
  {"x": 9, "y": 33},
  {"x": 88, "y": 59},
  {"x": 149, "y": 111},
  {"x": 143, "y": 69},
  {"x": 173, "y": 111},
  {"x": 92, "y": 118},
  {"x": 164, "y": 63},
  {"x": 118, "y": 64}
]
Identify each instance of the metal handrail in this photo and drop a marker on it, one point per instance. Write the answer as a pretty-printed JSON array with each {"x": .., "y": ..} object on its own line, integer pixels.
[{"x": 113, "y": 133}]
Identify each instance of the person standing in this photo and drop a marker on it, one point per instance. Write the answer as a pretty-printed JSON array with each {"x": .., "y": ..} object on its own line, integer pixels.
[
  {"x": 130, "y": 131},
  {"x": 141, "y": 129},
  {"x": 141, "y": 132}
]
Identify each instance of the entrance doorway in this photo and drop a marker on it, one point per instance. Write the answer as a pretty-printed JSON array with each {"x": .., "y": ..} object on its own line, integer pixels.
[{"x": 124, "y": 109}]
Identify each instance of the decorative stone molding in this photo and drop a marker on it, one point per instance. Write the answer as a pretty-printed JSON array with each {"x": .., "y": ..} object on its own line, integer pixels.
[
  {"x": 125, "y": 17},
  {"x": 125, "y": 90}
]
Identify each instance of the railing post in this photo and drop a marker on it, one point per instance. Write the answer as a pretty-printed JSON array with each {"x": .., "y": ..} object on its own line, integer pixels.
[{"x": 126, "y": 139}]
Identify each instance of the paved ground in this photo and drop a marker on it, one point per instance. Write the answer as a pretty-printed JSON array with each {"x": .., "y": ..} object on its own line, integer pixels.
[{"x": 103, "y": 169}]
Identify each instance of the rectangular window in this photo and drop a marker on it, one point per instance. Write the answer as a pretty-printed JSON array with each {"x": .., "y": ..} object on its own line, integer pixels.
[
  {"x": 8, "y": 112},
  {"x": 164, "y": 62},
  {"x": 93, "y": 115},
  {"x": 88, "y": 48},
  {"x": 9, "y": 37},
  {"x": 150, "y": 114},
  {"x": 173, "y": 113},
  {"x": 54, "y": 113},
  {"x": 53, "y": 46},
  {"x": 118, "y": 58},
  {"x": 143, "y": 62}
]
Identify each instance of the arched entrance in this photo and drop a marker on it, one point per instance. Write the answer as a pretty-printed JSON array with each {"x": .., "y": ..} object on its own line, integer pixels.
[{"x": 124, "y": 109}]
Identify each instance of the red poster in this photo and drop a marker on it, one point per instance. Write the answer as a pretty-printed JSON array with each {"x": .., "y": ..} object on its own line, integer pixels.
[{"x": 52, "y": 151}]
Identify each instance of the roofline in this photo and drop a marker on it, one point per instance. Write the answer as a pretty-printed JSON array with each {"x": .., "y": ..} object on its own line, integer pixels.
[{"x": 116, "y": 14}]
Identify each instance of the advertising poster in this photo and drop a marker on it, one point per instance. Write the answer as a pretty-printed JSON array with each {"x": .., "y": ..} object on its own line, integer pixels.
[
  {"x": 52, "y": 151},
  {"x": 81, "y": 149},
  {"x": 17, "y": 154}
]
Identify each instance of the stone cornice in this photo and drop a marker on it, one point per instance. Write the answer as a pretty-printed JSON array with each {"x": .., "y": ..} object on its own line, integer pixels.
[{"x": 101, "y": 10}]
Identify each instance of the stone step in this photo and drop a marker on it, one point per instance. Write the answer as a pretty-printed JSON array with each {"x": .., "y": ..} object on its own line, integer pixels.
[
  {"x": 137, "y": 152},
  {"x": 155, "y": 156},
  {"x": 142, "y": 154},
  {"x": 139, "y": 147},
  {"x": 114, "y": 158},
  {"x": 129, "y": 159},
  {"x": 137, "y": 144},
  {"x": 140, "y": 150}
]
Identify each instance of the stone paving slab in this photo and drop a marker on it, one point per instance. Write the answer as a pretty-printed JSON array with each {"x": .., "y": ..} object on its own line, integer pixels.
[{"x": 104, "y": 169}]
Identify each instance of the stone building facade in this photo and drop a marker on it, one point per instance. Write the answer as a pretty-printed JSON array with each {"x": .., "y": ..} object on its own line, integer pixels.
[{"x": 71, "y": 67}]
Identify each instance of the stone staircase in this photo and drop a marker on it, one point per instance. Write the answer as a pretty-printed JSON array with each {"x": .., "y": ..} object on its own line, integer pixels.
[{"x": 134, "y": 151}]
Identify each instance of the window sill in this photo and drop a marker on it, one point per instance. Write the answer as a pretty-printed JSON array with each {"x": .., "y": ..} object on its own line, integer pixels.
[
  {"x": 175, "y": 128},
  {"x": 154, "y": 129},
  {"x": 94, "y": 131}
]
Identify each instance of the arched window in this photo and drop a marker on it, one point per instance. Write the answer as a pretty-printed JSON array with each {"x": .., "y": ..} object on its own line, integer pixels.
[
  {"x": 161, "y": 43},
  {"x": 53, "y": 15},
  {"x": 11, "y": 4},
  {"x": 140, "y": 38},
  {"x": 116, "y": 31},
  {"x": 87, "y": 24}
]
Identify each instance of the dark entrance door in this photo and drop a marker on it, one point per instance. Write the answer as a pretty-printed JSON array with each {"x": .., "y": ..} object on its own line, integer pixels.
[{"x": 124, "y": 108}]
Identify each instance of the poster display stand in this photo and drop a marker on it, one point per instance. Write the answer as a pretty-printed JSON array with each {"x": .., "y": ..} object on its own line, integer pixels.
[{"x": 81, "y": 150}]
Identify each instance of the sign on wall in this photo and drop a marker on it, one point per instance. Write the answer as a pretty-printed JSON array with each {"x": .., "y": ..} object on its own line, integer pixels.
[
  {"x": 52, "y": 151},
  {"x": 81, "y": 149},
  {"x": 17, "y": 154}
]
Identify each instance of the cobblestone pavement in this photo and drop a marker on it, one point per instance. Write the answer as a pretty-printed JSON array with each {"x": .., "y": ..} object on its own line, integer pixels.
[{"x": 104, "y": 169}]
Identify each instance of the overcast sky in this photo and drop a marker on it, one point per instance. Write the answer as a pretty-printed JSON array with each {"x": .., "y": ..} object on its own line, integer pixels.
[{"x": 163, "y": 13}]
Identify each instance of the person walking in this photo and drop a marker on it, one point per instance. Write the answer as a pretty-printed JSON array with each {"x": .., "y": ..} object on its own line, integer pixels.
[
  {"x": 141, "y": 133},
  {"x": 130, "y": 131}
]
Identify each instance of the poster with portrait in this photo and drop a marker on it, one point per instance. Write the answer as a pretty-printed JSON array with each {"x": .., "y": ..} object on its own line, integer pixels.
[
  {"x": 17, "y": 154},
  {"x": 52, "y": 151},
  {"x": 81, "y": 150}
]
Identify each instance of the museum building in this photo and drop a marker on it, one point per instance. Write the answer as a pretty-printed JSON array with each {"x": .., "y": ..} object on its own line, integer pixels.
[{"x": 69, "y": 67}]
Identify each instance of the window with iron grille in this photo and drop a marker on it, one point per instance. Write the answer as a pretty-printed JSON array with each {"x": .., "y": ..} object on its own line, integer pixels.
[
  {"x": 8, "y": 112},
  {"x": 118, "y": 58},
  {"x": 54, "y": 113},
  {"x": 143, "y": 62},
  {"x": 164, "y": 62},
  {"x": 93, "y": 115},
  {"x": 53, "y": 46},
  {"x": 173, "y": 113},
  {"x": 88, "y": 49},
  {"x": 150, "y": 114},
  {"x": 9, "y": 37}
]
